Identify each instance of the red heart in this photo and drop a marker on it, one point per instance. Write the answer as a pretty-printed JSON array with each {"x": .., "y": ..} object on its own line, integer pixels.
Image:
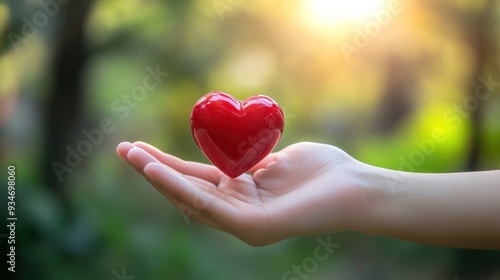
[{"x": 236, "y": 135}]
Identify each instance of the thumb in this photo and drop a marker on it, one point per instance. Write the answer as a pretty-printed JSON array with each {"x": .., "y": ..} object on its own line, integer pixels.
[{"x": 264, "y": 162}]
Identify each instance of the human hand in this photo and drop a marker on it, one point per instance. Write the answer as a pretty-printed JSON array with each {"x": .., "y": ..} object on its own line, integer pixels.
[{"x": 306, "y": 188}]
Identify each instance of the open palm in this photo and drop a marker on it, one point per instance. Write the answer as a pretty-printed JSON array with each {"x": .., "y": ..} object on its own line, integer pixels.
[{"x": 307, "y": 188}]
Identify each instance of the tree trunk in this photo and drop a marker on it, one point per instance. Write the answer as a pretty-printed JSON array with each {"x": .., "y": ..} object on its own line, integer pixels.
[
  {"x": 65, "y": 98},
  {"x": 480, "y": 38}
]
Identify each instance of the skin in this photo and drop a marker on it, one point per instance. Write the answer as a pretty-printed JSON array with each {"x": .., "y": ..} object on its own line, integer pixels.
[{"x": 311, "y": 188}]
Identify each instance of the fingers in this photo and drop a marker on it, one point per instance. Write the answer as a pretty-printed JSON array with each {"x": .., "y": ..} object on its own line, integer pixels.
[
  {"x": 203, "y": 171},
  {"x": 209, "y": 205},
  {"x": 123, "y": 148},
  {"x": 139, "y": 159}
]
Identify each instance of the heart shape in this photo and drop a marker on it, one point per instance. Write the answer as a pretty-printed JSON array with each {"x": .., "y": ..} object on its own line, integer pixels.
[{"x": 236, "y": 135}]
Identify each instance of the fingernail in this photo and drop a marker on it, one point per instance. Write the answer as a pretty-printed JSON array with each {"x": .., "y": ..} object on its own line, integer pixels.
[
  {"x": 133, "y": 151},
  {"x": 149, "y": 170}
]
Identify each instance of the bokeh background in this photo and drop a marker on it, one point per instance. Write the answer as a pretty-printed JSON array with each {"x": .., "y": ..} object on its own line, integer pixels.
[{"x": 377, "y": 78}]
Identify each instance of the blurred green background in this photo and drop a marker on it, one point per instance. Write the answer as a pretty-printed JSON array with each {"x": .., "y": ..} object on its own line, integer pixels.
[{"x": 377, "y": 78}]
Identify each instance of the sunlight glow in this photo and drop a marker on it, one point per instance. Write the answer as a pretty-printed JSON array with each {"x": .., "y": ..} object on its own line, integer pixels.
[{"x": 329, "y": 12}]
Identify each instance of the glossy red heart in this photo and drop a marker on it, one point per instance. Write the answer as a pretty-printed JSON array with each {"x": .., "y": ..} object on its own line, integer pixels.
[{"x": 236, "y": 135}]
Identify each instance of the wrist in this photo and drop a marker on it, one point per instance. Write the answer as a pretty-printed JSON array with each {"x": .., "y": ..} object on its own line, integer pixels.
[{"x": 376, "y": 186}]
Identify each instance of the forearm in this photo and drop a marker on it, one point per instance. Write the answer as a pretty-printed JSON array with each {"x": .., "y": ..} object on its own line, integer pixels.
[{"x": 455, "y": 209}]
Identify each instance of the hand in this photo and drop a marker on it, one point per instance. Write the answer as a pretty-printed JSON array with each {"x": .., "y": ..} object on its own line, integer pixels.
[
  {"x": 306, "y": 188},
  {"x": 312, "y": 188}
]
